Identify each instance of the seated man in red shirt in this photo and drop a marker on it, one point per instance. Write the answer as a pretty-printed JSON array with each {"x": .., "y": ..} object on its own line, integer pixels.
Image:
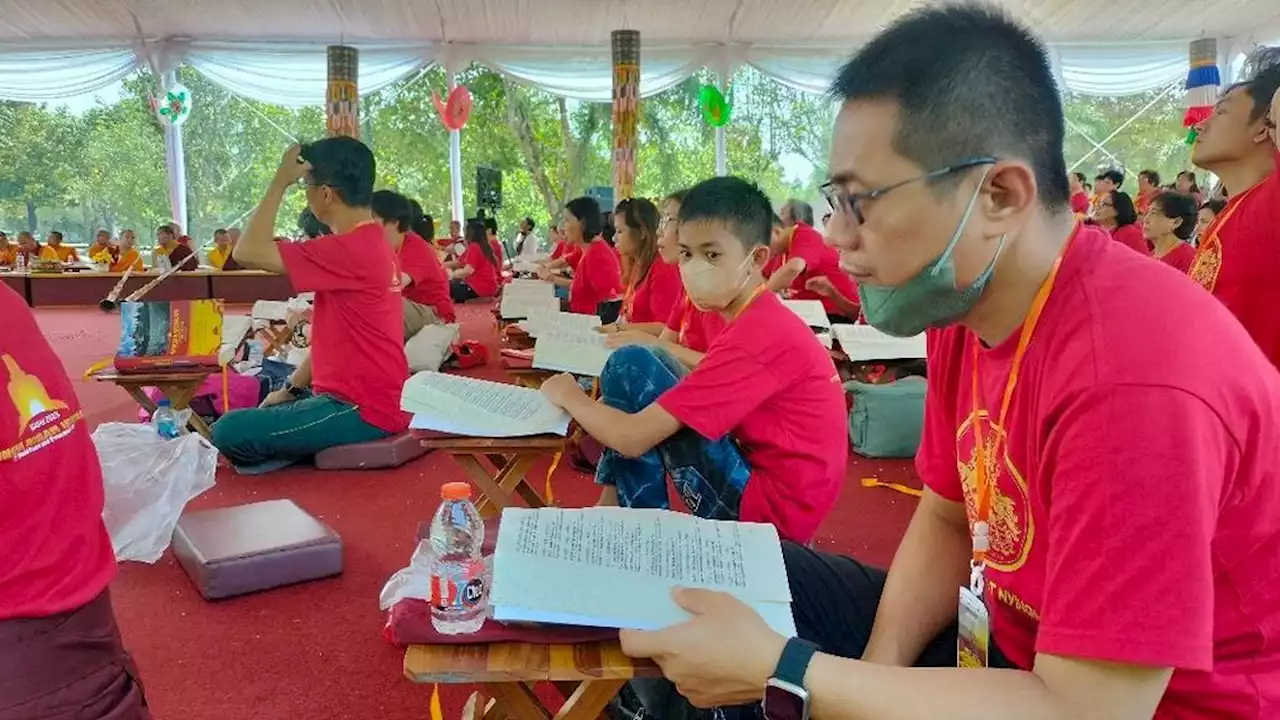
[
  {"x": 1103, "y": 496},
  {"x": 799, "y": 255},
  {"x": 60, "y": 651},
  {"x": 756, "y": 431},
  {"x": 349, "y": 392},
  {"x": 1238, "y": 255},
  {"x": 423, "y": 282}
]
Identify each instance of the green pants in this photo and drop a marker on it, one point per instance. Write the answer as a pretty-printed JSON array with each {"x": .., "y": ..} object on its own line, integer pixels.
[{"x": 290, "y": 432}]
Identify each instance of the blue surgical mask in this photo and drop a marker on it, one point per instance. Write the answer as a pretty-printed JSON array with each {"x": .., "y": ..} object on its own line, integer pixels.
[{"x": 930, "y": 298}]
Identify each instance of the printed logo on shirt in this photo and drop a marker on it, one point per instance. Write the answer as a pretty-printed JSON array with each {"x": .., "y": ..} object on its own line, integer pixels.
[
  {"x": 1012, "y": 524},
  {"x": 396, "y": 285},
  {"x": 42, "y": 419}
]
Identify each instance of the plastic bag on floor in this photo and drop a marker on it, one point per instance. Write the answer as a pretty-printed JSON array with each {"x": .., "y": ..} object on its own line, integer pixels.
[{"x": 148, "y": 481}]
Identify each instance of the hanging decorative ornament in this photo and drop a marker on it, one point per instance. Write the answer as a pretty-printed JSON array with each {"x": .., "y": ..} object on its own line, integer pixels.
[
  {"x": 454, "y": 113},
  {"x": 174, "y": 107},
  {"x": 1203, "y": 81},
  {"x": 715, "y": 109}
]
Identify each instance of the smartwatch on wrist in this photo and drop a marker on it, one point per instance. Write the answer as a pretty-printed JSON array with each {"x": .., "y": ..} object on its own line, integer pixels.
[
  {"x": 295, "y": 391},
  {"x": 785, "y": 697}
]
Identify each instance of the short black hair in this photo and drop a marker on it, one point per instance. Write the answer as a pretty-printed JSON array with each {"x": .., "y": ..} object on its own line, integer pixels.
[
  {"x": 1214, "y": 206},
  {"x": 219, "y": 231},
  {"x": 1152, "y": 176},
  {"x": 421, "y": 223},
  {"x": 391, "y": 206},
  {"x": 1115, "y": 176},
  {"x": 490, "y": 224},
  {"x": 344, "y": 164},
  {"x": 1177, "y": 205},
  {"x": 969, "y": 83},
  {"x": 738, "y": 204},
  {"x": 56, "y": 233},
  {"x": 1126, "y": 214},
  {"x": 587, "y": 210},
  {"x": 1263, "y": 71},
  {"x": 529, "y": 221},
  {"x": 1079, "y": 176},
  {"x": 169, "y": 229},
  {"x": 310, "y": 225}
]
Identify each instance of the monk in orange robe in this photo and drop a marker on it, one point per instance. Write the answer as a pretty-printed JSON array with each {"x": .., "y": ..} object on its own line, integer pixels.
[
  {"x": 1237, "y": 258},
  {"x": 8, "y": 252},
  {"x": 102, "y": 251},
  {"x": 129, "y": 256},
  {"x": 55, "y": 250}
]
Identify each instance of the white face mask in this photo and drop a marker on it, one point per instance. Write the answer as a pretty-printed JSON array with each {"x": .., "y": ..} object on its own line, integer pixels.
[{"x": 709, "y": 286}]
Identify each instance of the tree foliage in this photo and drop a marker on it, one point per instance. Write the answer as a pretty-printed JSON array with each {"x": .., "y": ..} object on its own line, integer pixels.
[{"x": 106, "y": 167}]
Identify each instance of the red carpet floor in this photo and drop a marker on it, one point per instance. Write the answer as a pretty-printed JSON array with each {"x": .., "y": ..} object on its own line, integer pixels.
[{"x": 315, "y": 650}]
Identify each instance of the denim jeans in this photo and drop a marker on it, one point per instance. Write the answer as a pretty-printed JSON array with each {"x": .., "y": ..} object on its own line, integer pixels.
[{"x": 710, "y": 475}]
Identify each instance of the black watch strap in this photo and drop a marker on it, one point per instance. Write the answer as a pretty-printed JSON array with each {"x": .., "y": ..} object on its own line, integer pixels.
[
  {"x": 794, "y": 662},
  {"x": 294, "y": 390}
]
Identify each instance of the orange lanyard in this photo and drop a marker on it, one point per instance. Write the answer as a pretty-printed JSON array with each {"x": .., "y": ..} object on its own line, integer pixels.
[
  {"x": 685, "y": 320},
  {"x": 1211, "y": 232},
  {"x": 985, "y": 484},
  {"x": 754, "y": 294}
]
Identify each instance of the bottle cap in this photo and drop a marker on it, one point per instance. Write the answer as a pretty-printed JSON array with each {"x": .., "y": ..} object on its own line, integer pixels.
[
  {"x": 456, "y": 491},
  {"x": 164, "y": 402}
]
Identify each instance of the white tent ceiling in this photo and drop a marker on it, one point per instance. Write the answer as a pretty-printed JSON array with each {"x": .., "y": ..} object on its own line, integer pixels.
[{"x": 588, "y": 22}]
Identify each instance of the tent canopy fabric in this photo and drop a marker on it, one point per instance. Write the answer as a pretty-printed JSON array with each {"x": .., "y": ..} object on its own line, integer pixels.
[{"x": 274, "y": 50}]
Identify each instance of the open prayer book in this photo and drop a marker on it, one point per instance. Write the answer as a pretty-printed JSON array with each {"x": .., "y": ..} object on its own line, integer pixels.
[
  {"x": 479, "y": 408},
  {"x": 616, "y": 567},
  {"x": 522, "y": 297},
  {"x": 579, "y": 352},
  {"x": 815, "y": 316},
  {"x": 863, "y": 343},
  {"x": 547, "y": 321}
]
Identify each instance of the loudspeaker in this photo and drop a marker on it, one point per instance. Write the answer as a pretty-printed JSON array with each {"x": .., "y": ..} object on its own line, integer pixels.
[
  {"x": 603, "y": 194},
  {"x": 488, "y": 188}
]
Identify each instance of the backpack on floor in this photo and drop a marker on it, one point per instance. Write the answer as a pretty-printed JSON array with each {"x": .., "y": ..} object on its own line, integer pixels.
[{"x": 885, "y": 420}]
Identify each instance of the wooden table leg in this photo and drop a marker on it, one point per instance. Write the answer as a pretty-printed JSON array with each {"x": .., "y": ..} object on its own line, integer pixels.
[
  {"x": 517, "y": 701},
  {"x": 497, "y": 490},
  {"x": 179, "y": 395},
  {"x": 493, "y": 496},
  {"x": 589, "y": 700}
]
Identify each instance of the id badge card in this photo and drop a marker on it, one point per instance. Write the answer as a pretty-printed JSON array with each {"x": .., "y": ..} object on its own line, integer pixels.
[{"x": 974, "y": 637}]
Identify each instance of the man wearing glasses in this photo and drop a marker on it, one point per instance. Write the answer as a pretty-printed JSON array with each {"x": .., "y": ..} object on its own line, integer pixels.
[{"x": 1100, "y": 524}]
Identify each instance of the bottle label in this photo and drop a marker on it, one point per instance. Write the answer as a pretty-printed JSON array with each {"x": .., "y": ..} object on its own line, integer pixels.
[{"x": 448, "y": 593}]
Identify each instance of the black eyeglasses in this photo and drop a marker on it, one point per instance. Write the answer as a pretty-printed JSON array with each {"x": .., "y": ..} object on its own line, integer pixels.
[{"x": 841, "y": 200}]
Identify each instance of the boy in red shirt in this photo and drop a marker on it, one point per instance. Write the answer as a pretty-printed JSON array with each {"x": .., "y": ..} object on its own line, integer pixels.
[
  {"x": 800, "y": 255},
  {"x": 1098, "y": 489},
  {"x": 423, "y": 282},
  {"x": 756, "y": 431},
  {"x": 349, "y": 390},
  {"x": 60, "y": 651},
  {"x": 1238, "y": 256}
]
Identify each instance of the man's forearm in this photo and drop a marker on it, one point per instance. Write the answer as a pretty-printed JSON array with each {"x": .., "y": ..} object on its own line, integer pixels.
[
  {"x": 256, "y": 249},
  {"x": 608, "y": 425},
  {"x": 921, "y": 594},
  {"x": 301, "y": 377},
  {"x": 687, "y": 356},
  {"x": 843, "y": 689}
]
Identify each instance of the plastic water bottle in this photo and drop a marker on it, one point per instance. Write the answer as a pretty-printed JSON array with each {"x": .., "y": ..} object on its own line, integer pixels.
[
  {"x": 459, "y": 590},
  {"x": 165, "y": 420},
  {"x": 21, "y": 265},
  {"x": 257, "y": 351}
]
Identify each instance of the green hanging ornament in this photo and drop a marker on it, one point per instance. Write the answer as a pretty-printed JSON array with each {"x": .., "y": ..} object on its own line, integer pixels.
[{"x": 715, "y": 109}]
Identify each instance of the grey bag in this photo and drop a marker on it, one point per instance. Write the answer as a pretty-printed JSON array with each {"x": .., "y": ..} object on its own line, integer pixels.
[{"x": 886, "y": 420}]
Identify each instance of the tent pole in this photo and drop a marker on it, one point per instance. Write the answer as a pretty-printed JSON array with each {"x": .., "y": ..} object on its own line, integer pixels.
[
  {"x": 722, "y": 152},
  {"x": 175, "y": 164},
  {"x": 455, "y": 163}
]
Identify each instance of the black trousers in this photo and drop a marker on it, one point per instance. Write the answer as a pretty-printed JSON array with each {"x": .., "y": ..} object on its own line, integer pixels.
[
  {"x": 460, "y": 291},
  {"x": 834, "y": 601}
]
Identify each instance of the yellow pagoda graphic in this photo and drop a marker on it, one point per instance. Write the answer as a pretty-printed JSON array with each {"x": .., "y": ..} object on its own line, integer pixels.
[{"x": 29, "y": 397}]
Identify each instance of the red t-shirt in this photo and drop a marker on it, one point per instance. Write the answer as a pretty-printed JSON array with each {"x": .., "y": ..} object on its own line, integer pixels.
[
  {"x": 1080, "y": 203},
  {"x": 498, "y": 252},
  {"x": 1131, "y": 236},
  {"x": 357, "y": 345},
  {"x": 598, "y": 277},
  {"x": 484, "y": 276},
  {"x": 57, "y": 555},
  {"x": 766, "y": 382},
  {"x": 430, "y": 285},
  {"x": 1136, "y": 514},
  {"x": 1242, "y": 268},
  {"x": 820, "y": 260},
  {"x": 571, "y": 253},
  {"x": 657, "y": 293},
  {"x": 1179, "y": 257},
  {"x": 694, "y": 328}
]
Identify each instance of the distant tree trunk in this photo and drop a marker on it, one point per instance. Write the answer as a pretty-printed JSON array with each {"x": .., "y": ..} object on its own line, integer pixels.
[
  {"x": 574, "y": 152},
  {"x": 31, "y": 216}
]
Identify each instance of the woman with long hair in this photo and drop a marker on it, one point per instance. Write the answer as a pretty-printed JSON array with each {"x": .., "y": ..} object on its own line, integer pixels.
[
  {"x": 1116, "y": 213},
  {"x": 653, "y": 286},
  {"x": 1168, "y": 225},
  {"x": 475, "y": 274},
  {"x": 596, "y": 286}
]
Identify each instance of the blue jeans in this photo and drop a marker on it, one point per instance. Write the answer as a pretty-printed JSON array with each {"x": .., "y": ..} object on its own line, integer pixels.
[{"x": 710, "y": 475}]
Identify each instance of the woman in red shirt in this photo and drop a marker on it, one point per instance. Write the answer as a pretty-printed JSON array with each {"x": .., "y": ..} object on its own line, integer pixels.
[
  {"x": 475, "y": 274},
  {"x": 597, "y": 280},
  {"x": 1168, "y": 224},
  {"x": 653, "y": 286},
  {"x": 1116, "y": 213},
  {"x": 1209, "y": 210}
]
